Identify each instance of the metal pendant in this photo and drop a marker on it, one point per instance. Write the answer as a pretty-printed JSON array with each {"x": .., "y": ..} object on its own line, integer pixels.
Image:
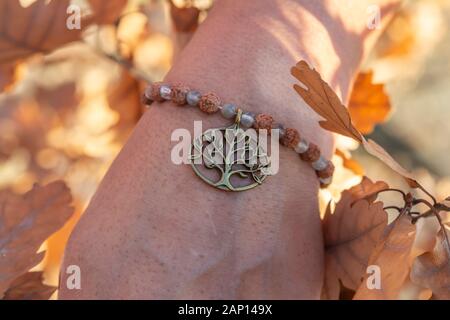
[{"x": 230, "y": 158}]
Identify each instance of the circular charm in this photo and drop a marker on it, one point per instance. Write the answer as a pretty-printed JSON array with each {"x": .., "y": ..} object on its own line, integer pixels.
[{"x": 230, "y": 158}]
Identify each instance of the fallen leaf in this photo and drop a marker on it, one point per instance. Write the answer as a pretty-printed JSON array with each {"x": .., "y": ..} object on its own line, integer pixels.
[
  {"x": 323, "y": 100},
  {"x": 369, "y": 105},
  {"x": 26, "y": 221},
  {"x": 351, "y": 233},
  {"x": 42, "y": 26},
  {"x": 432, "y": 269},
  {"x": 393, "y": 257},
  {"x": 29, "y": 286},
  {"x": 350, "y": 163}
]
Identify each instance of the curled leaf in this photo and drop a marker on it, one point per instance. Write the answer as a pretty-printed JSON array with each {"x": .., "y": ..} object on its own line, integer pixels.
[
  {"x": 432, "y": 269},
  {"x": 29, "y": 287}
]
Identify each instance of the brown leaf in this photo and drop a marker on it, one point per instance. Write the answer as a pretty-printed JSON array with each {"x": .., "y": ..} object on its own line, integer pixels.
[
  {"x": 29, "y": 287},
  {"x": 432, "y": 269},
  {"x": 322, "y": 99},
  {"x": 393, "y": 257},
  {"x": 107, "y": 12},
  {"x": 369, "y": 105},
  {"x": 377, "y": 151},
  {"x": 26, "y": 221},
  {"x": 42, "y": 26},
  {"x": 6, "y": 76},
  {"x": 351, "y": 233}
]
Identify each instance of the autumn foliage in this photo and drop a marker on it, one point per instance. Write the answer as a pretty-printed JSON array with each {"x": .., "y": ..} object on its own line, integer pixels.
[{"x": 71, "y": 129}]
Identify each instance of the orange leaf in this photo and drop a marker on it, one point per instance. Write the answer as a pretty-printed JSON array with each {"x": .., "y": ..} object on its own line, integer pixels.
[
  {"x": 29, "y": 287},
  {"x": 351, "y": 233},
  {"x": 320, "y": 97},
  {"x": 349, "y": 163},
  {"x": 369, "y": 105},
  {"x": 392, "y": 256},
  {"x": 432, "y": 269},
  {"x": 26, "y": 222}
]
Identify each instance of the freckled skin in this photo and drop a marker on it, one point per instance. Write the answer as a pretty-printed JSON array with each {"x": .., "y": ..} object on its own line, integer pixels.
[{"x": 154, "y": 230}]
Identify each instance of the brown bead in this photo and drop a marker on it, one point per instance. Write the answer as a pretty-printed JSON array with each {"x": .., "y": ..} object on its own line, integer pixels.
[
  {"x": 209, "y": 103},
  {"x": 312, "y": 154},
  {"x": 327, "y": 172},
  {"x": 263, "y": 121},
  {"x": 152, "y": 93},
  {"x": 290, "y": 138},
  {"x": 178, "y": 94}
]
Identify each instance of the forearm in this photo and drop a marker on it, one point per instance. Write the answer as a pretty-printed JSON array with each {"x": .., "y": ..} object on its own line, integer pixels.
[{"x": 170, "y": 234}]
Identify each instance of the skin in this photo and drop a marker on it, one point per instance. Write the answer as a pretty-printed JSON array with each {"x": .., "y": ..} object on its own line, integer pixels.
[{"x": 155, "y": 231}]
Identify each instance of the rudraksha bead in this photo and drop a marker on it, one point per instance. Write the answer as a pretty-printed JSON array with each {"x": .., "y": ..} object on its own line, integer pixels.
[
  {"x": 209, "y": 103},
  {"x": 327, "y": 172},
  {"x": 312, "y": 154},
  {"x": 263, "y": 121},
  {"x": 290, "y": 138},
  {"x": 179, "y": 93},
  {"x": 153, "y": 92}
]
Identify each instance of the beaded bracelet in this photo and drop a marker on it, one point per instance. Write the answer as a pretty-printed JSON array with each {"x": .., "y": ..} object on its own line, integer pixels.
[{"x": 210, "y": 103}]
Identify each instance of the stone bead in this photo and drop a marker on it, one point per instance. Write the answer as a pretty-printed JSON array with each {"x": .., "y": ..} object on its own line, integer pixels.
[
  {"x": 165, "y": 92},
  {"x": 179, "y": 93},
  {"x": 247, "y": 119},
  {"x": 153, "y": 92},
  {"x": 325, "y": 182},
  {"x": 302, "y": 146},
  {"x": 263, "y": 121},
  {"x": 312, "y": 154},
  {"x": 229, "y": 111},
  {"x": 327, "y": 172},
  {"x": 193, "y": 98},
  {"x": 209, "y": 103},
  {"x": 290, "y": 138},
  {"x": 320, "y": 164},
  {"x": 280, "y": 128}
]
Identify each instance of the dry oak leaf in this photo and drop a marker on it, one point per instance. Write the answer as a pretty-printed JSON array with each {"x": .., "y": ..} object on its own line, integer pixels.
[
  {"x": 25, "y": 223},
  {"x": 324, "y": 101},
  {"x": 432, "y": 269},
  {"x": 29, "y": 287},
  {"x": 393, "y": 257},
  {"x": 184, "y": 19},
  {"x": 42, "y": 26},
  {"x": 369, "y": 105},
  {"x": 351, "y": 233}
]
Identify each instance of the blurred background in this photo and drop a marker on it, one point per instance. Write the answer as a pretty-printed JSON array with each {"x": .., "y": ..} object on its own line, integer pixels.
[{"x": 67, "y": 114}]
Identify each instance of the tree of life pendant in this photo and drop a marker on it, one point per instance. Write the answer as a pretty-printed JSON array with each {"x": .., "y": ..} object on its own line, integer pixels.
[{"x": 230, "y": 158}]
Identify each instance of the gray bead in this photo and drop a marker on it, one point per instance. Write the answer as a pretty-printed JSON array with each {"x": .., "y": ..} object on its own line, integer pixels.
[
  {"x": 302, "y": 146},
  {"x": 165, "y": 92},
  {"x": 280, "y": 128},
  {"x": 229, "y": 111},
  {"x": 247, "y": 119},
  {"x": 320, "y": 164},
  {"x": 193, "y": 98},
  {"x": 326, "y": 181}
]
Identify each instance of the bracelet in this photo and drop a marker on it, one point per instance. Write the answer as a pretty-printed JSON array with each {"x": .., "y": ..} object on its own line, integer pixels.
[{"x": 257, "y": 170}]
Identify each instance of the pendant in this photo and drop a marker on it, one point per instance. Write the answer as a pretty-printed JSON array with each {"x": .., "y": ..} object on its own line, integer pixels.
[{"x": 230, "y": 158}]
